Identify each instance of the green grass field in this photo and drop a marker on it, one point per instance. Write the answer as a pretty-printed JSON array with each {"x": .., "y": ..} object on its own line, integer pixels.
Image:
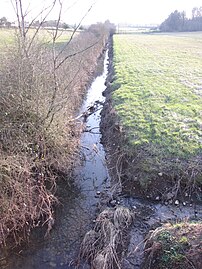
[
  {"x": 7, "y": 36},
  {"x": 158, "y": 98}
]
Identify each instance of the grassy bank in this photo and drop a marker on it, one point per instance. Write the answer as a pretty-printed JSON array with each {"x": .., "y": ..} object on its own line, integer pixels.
[
  {"x": 157, "y": 96},
  {"x": 174, "y": 246},
  {"x": 41, "y": 88}
]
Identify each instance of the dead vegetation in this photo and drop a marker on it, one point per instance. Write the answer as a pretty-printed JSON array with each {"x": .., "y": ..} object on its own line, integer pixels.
[
  {"x": 103, "y": 247},
  {"x": 41, "y": 88}
]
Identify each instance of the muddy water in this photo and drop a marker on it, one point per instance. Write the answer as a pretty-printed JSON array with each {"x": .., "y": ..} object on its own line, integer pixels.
[{"x": 79, "y": 205}]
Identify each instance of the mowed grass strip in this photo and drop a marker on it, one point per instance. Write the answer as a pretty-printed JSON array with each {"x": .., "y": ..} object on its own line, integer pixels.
[{"x": 158, "y": 98}]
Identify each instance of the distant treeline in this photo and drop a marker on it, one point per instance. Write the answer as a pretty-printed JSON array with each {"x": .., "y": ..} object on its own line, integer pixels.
[
  {"x": 35, "y": 24},
  {"x": 177, "y": 21}
]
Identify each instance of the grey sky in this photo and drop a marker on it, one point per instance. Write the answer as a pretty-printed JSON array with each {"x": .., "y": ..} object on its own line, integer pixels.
[{"x": 127, "y": 11}]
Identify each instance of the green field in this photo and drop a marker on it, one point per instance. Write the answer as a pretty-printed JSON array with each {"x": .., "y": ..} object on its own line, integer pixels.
[
  {"x": 158, "y": 98},
  {"x": 7, "y": 36}
]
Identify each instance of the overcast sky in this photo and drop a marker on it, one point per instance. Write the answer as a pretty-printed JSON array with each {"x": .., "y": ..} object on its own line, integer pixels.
[{"x": 117, "y": 11}]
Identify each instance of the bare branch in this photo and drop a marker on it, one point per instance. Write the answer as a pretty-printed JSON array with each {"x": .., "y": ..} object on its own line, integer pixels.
[
  {"x": 58, "y": 21},
  {"x": 15, "y": 7},
  {"x": 22, "y": 18},
  {"x": 78, "y": 52},
  {"x": 75, "y": 30},
  {"x": 73, "y": 4},
  {"x": 39, "y": 27},
  {"x": 39, "y": 14}
]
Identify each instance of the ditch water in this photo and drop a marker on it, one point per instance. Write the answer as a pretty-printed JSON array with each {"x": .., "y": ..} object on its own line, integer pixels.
[{"x": 79, "y": 204}]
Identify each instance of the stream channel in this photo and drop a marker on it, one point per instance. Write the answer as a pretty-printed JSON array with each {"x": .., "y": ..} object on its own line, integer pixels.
[{"x": 79, "y": 204}]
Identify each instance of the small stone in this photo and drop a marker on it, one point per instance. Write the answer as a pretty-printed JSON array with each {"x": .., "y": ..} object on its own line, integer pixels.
[
  {"x": 134, "y": 207},
  {"x": 170, "y": 202},
  {"x": 186, "y": 194},
  {"x": 184, "y": 203},
  {"x": 148, "y": 196},
  {"x": 113, "y": 202},
  {"x": 3, "y": 263},
  {"x": 166, "y": 203},
  {"x": 169, "y": 195},
  {"x": 98, "y": 192},
  {"x": 157, "y": 198},
  {"x": 160, "y": 174},
  {"x": 177, "y": 202},
  {"x": 52, "y": 264},
  {"x": 190, "y": 205}
]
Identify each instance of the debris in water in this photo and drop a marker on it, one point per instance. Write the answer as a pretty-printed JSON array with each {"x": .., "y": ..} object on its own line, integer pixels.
[
  {"x": 113, "y": 202},
  {"x": 101, "y": 246},
  {"x": 177, "y": 202}
]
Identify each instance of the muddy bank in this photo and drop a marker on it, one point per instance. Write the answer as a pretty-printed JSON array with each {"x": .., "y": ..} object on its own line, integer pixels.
[{"x": 114, "y": 139}]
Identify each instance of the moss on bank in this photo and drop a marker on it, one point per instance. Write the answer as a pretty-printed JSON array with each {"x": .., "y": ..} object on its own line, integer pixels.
[{"x": 174, "y": 246}]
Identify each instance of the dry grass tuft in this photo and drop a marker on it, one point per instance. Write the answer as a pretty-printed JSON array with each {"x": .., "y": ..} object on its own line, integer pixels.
[
  {"x": 104, "y": 251},
  {"x": 89, "y": 244},
  {"x": 122, "y": 217}
]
